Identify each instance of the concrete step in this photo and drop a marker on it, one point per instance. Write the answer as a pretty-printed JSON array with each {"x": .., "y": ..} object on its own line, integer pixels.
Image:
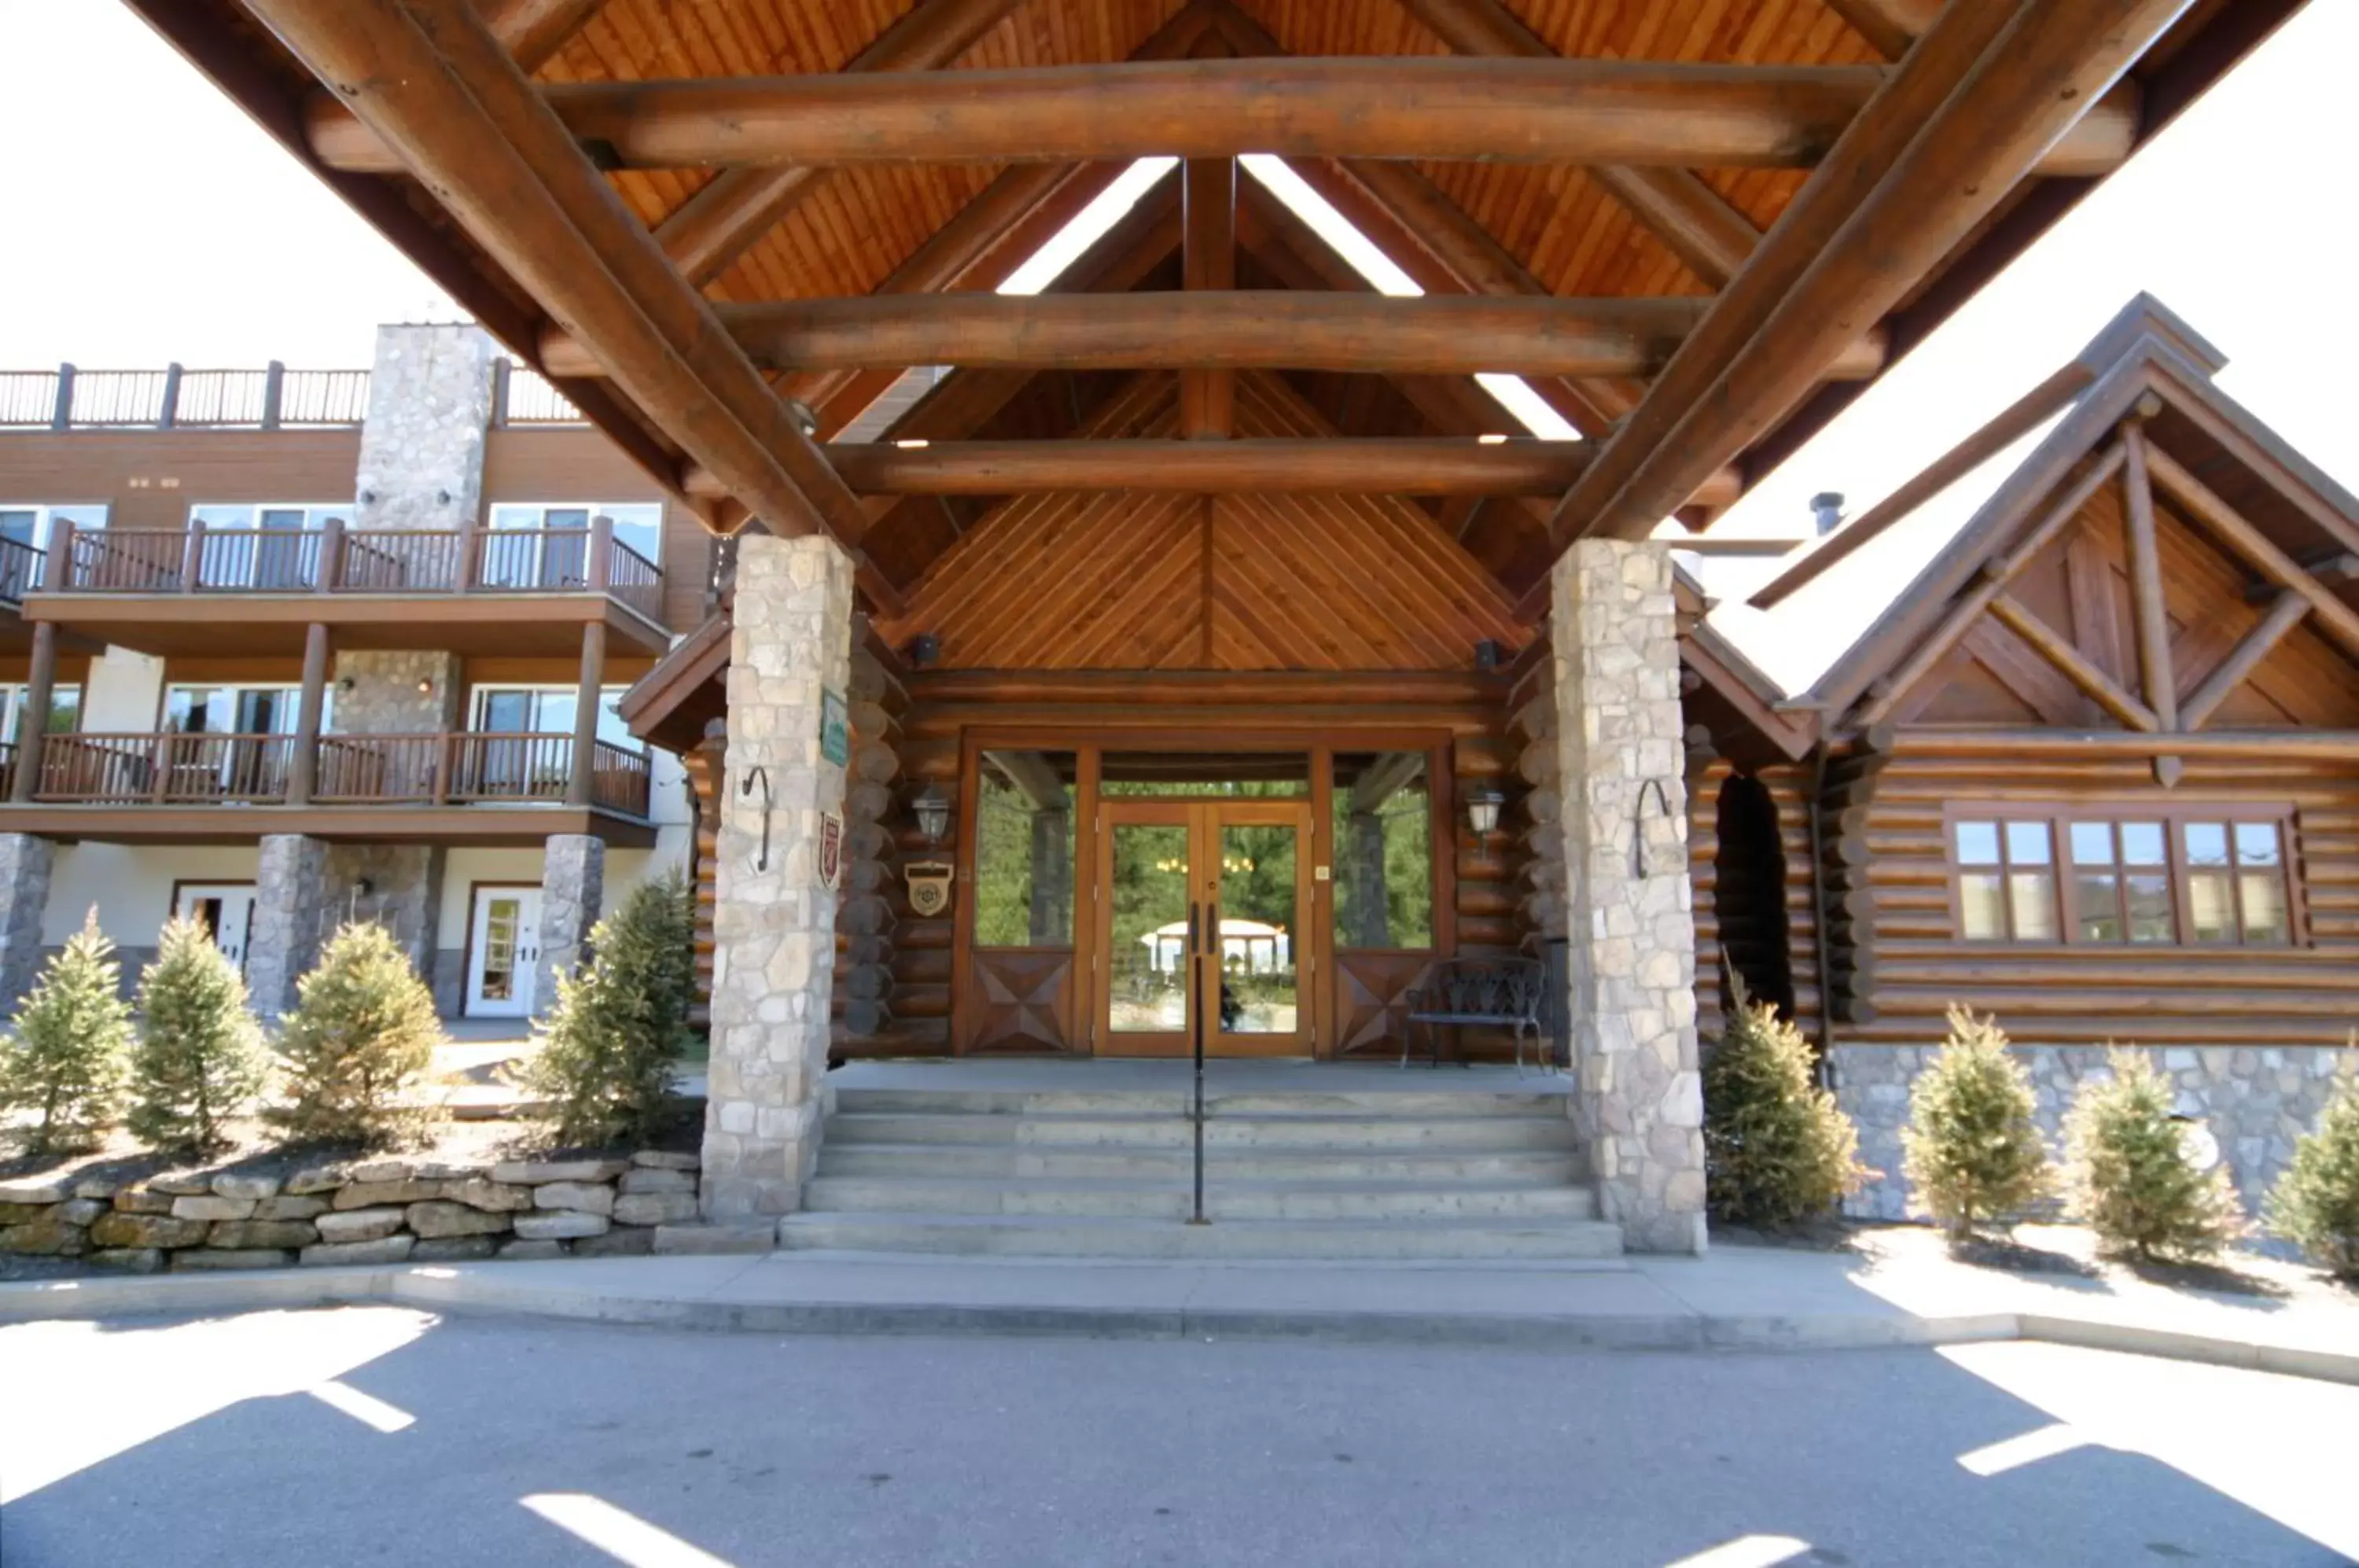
[
  {"x": 1174, "y": 1199},
  {"x": 1114, "y": 1162},
  {"x": 1455, "y": 1134},
  {"x": 1045, "y": 1236},
  {"x": 1175, "y": 1102}
]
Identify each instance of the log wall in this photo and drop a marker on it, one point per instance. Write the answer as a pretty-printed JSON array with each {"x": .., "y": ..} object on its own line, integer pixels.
[{"x": 1789, "y": 790}]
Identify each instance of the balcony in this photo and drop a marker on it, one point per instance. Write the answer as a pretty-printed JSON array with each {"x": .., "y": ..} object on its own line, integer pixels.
[
  {"x": 254, "y": 591},
  {"x": 470, "y": 787},
  {"x": 272, "y": 398},
  {"x": 20, "y": 573}
]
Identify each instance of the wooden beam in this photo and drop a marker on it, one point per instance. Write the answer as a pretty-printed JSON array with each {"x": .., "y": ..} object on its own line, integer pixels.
[
  {"x": 2149, "y": 616},
  {"x": 1375, "y": 465},
  {"x": 1966, "y": 116},
  {"x": 2014, "y": 745},
  {"x": 1688, "y": 216},
  {"x": 1235, "y": 329},
  {"x": 1889, "y": 26},
  {"x": 2255, "y": 646},
  {"x": 1208, "y": 263},
  {"x": 2075, "y": 666},
  {"x": 1385, "y": 778},
  {"x": 534, "y": 30},
  {"x": 1032, "y": 776},
  {"x": 426, "y": 77},
  {"x": 2226, "y": 523},
  {"x": 1640, "y": 113},
  {"x": 719, "y": 223}
]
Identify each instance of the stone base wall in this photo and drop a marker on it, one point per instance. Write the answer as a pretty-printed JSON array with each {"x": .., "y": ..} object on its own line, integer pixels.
[
  {"x": 2256, "y": 1100},
  {"x": 368, "y": 1211},
  {"x": 26, "y": 863}
]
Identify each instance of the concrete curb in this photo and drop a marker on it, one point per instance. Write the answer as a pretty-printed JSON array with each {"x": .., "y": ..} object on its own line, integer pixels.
[{"x": 444, "y": 1289}]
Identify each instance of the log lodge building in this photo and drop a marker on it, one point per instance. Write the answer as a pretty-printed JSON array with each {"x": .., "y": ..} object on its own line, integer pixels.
[{"x": 1064, "y": 604}]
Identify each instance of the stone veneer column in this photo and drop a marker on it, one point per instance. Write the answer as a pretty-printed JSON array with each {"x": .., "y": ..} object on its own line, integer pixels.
[
  {"x": 25, "y": 866},
  {"x": 774, "y": 924},
  {"x": 1638, "y": 1096},
  {"x": 573, "y": 885},
  {"x": 292, "y": 899},
  {"x": 422, "y": 462}
]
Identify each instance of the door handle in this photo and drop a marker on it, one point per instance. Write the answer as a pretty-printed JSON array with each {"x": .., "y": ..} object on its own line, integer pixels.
[{"x": 1194, "y": 947}]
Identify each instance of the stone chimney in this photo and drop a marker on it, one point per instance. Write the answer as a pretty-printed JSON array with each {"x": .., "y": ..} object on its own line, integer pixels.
[{"x": 422, "y": 443}]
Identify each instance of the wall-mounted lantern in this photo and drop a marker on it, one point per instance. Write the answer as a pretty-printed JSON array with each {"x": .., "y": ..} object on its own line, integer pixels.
[
  {"x": 1482, "y": 803},
  {"x": 932, "y": 808}
]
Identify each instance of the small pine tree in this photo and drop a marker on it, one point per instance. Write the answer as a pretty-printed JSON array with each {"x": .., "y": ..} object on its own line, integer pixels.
[
  {"x": 1778, "y": 1150},
  {"x": 2128, "y": 1173},
  {"x": 358, "y": 1045},
  {"x": 2315, "y": 1205},
  {"x": 200, "y": 1057},
  {"x": 607, "y": 1053},
  {"x": 70, "y": 1057},
  {"x": 1970, "y": 1148}
]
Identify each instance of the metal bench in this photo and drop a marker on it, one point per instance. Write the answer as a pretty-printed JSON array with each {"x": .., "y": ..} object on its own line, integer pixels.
[{"x": 1492, "y": 993}]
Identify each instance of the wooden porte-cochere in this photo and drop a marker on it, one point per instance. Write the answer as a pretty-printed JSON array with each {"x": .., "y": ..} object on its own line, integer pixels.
[{"x": 1115, "y": 895}]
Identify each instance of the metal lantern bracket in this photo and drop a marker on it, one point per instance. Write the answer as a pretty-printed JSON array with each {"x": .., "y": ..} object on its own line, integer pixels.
[
  {"x": 1639, "y": 862},
  {"x": 744, "y": 788}
]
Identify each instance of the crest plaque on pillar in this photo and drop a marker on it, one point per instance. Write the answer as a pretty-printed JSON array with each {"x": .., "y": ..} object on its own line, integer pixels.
[
  {"x": 930, "y": 887},
  {"x": 830, "y": 850}
]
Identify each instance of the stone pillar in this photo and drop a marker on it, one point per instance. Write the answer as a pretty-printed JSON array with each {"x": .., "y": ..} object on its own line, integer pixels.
[
  {"x": 25, "y": 866},
  {"x": 1638, "y": 1096},
  {"x": 1052, "y": 877},
  {"x": 293, "y": 907},
  {"x": 573, "y": 885},
  {"x": 774, "y": 922},
  {"x": 422, "y": 462}
]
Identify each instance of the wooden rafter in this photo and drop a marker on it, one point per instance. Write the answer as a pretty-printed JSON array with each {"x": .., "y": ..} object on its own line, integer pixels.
[
  {"x": 2150, "y": 616},
  {"x": 532, "y": 31},
  {"x": 2284, "y": 614},
  {"x": 2071, "y": 663},
  {"x": 1402, "y": 465},
  {"x": 1889, "y": 26},
  {"x": 1688, "y": 216},
  {"x": 1208, "y": 228},
  {"x": 1638, "y": 112},
  {"x": 426, "y": 77},
  {"x": 2226, "y": 523},
  {"x": 1986, "y": 91}
]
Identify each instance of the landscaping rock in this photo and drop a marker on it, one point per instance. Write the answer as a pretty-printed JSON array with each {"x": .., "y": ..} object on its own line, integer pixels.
[
  {"x": 532, "y": 1173},
  {"x": 246, "y": 1234},
  {"x": 79, "y": 1211},
  {"x": 37, "y": 1190},
  {"x": 183, "y": 1184},
  {"x": 662, "y": 1181},
  {"x": 530, "y": 1251},
  {"x": 246, "y": 1186},
  {"x": 695, "y": 1239},
  {"x": 448, "y": 1171},
  {"x": 661, "y": 1159},
  {"x": 384, "y": 1249},
  {"x": 141, "y": 1200},
  {"x": 120, "y": 1230},
  {"x": 314, "y": 1179},
  {"x": 205, "y": 1257},
  {"x": 369, "y": 1194},
  {"x": 582, "y": 1197},
  {"x": 346, "y": 1226},
  {"x": 54, "y": 1238},
  {"x": 560, "y": 1225},
  {"x": 380, "y": 1170},
  {"x": 100, "y": 1187},
  {"x": 454, "y": 1249},
  {"x": 623, "y": 1241},
  {"x": 655, "y": 1208},
  {"x": 210, "y": 1208},
  {"x": 290, "y": 1208},
  {"x": 128, "y": 1259},
  {"x": 498, "y": 1197},
  {"x": 440, "y": 1219},
  {"x": 25, "y": 1213}
]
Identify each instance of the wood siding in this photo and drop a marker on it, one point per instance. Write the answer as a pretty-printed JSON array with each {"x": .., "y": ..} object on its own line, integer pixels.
[{"x": 149, "y": 479}]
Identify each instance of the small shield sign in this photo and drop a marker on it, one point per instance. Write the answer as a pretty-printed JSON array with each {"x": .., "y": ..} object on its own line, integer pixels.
[
  {"x": 930, "y": 887},
  {"x": 830, "y": 850}
]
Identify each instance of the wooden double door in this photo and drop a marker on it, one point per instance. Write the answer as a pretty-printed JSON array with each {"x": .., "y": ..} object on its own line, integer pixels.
[{"x": 1204, "y": 916}]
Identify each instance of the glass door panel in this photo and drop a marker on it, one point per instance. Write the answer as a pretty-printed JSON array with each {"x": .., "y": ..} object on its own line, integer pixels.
[
  {"x": 1260, "y": 982},
  {"x": 1148, "y": 893}
]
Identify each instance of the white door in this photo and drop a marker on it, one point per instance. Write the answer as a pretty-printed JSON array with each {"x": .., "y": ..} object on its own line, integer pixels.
[
  {"x": 227, "y": 910},
  {"x": 506, "y": 949}
]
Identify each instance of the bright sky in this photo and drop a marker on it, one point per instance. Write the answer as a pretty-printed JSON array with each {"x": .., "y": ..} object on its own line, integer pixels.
[{"x": 171, "y": 228}]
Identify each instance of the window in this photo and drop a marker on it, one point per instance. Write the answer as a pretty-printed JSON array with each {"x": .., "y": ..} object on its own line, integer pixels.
[
  {"x": 2188, "y": 874},
  {"x": 65, "y": 710},
  {"x": 264, "y": 544},
  {"x": 549, "y": 710},
  {"x": 538, "y": 561},
  {"x": 235, "y": 710},
  {"x": 1384, "y": 851},
  {"x": 1023, "y": 893},
  {"x": 291, "y": 516},
  {"x": 26, "y": 529}
]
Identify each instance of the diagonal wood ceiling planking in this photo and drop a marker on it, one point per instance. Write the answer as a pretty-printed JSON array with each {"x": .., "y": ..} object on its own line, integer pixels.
[{"x": 1122, "y": 580}]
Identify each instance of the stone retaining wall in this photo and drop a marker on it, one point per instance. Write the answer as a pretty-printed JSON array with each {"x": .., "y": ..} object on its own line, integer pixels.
[
  {"x": 362, "y": 1211},
  {"x": 2256, "y": 1100}
]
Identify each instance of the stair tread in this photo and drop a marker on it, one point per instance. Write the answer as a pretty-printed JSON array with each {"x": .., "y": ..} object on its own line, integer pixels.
[
  {"x": 1166, "y": 1184},
  {"x": 811, "y": 1218}
]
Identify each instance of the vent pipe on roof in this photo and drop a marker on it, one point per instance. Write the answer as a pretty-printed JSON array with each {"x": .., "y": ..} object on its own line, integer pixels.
[{"x": 1826, "y": 511}]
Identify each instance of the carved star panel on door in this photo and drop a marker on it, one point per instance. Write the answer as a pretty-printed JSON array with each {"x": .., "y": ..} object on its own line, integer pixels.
[{"x": 1020, "y": 996}]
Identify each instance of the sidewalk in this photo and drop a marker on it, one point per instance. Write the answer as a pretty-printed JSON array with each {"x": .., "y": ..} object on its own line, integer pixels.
[{"x": 1739, "y": 1298}]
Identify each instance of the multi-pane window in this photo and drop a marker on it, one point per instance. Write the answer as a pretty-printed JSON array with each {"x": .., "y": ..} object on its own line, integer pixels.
[
  {"x": 2190, "y": 875},
  {"x": 25, "y": 531},
  {"x": 65, "y": 710}
]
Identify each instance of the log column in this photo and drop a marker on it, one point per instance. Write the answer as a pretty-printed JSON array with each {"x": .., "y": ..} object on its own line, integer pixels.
[
  {"x": 303, "y": 767},
  {"x": 578, "y": 790},
  {"x": 40, "y": 689},
  {"x": 1638, "y": 1096},
  {"x": 774, "y": 920}
]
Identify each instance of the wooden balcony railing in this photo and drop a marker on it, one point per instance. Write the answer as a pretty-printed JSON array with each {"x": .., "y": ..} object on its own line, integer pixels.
[
  {"x": 21, "y": 570},
  {"x": 274, "y": 397},
  {"x": 201, "y": 559},
  {"x": 8, "y": 770},
  {"x": 423, "y": 769}
]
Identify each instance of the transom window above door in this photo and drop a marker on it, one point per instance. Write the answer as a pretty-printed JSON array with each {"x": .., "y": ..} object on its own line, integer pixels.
[{"x": 2190, "y": 874}]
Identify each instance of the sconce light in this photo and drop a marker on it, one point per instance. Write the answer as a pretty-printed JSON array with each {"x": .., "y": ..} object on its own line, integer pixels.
[
  {"x": 1489, "y": 655},
  {"x": 933, "y": 812},
  {"x": 343, "y": 683},
  {"x": 924, "y": 648},
  {"x": 426, "y": 688},
  {"x": 1482, "y": 803}
]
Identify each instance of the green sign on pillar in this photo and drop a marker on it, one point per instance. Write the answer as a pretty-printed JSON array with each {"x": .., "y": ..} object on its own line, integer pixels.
[{"x": 835, "y": 728}]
